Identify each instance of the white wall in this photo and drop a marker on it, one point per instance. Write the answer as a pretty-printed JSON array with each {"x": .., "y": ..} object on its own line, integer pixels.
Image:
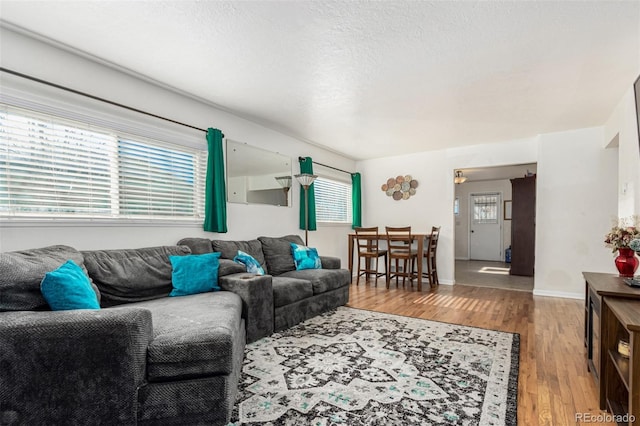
[
  {"x": 36, "y": 58},
  {"x": 576, "y": 197},
  {"x": 622, "y": 124},
  {"x": 463, "y": 191},
  {"x": 432, "y": 205}
]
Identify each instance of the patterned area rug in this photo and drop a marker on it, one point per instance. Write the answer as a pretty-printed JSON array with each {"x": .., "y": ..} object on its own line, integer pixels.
[{"x": 356, "y": 367}]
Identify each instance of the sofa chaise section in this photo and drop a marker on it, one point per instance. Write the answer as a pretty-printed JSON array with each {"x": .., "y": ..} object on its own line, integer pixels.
[
  {"x": 144, "y": 358},
  {"x": 197, "y": 347},
  {"x": 79, "y": 367},
  {"x": 193, "y": 360}
]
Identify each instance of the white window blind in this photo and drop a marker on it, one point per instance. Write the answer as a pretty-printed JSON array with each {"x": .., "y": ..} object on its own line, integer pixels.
[
  {"x": 155, "y": 181},
  {"x": 53, "y": 167},
  {"x": 333, "y": 201}
]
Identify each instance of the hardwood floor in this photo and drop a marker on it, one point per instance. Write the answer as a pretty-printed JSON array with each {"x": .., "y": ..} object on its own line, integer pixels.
[{"x": 554, "y": 384}]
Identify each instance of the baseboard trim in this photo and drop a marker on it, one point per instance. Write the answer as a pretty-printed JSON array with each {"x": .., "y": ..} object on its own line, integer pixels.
[{"x": 560, "y": 294}]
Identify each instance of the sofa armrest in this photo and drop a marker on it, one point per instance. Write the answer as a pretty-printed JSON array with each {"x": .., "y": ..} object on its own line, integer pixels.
[
  {"x": 72, "y": 367},
  {"x": 329, "y": 262},
  {"x": 256, "y": 292}
]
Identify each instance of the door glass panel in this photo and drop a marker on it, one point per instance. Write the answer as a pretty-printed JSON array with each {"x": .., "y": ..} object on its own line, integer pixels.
[{"x": 485, "y": 208}]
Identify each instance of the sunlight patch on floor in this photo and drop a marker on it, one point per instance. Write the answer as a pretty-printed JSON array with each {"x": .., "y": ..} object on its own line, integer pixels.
[
  {"x": 454, "y": 302},
  {"x": 493, "y": 270}
]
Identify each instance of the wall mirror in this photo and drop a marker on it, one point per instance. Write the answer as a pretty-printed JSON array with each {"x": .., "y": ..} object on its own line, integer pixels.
[{"x": 257, "y": 176}]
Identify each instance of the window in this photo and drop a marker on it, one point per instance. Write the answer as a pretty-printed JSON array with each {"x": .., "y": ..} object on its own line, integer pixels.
[
  {"x": 456, "y": 206},
  {"x": 485, "y": 208},
  {"x": 333, "y": 201},
  {"x": 53, "y": 167}
]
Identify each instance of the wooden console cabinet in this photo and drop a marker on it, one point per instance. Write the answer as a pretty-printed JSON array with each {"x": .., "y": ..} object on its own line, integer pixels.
[
  {"x": 598, "y": 286},
  {"x": 621, "y": 375}
]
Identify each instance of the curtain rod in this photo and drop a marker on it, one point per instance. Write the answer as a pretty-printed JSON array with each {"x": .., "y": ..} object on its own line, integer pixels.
[
  {"x": 324, "y": 165},
  {"x": 77, "y": 92}
]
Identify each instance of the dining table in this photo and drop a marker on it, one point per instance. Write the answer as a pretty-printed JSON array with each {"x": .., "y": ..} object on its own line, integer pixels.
[{"x": 418, "y": 238}]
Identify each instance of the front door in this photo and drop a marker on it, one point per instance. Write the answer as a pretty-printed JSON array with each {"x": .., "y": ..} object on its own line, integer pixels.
[{"x": 485, "y": 230}]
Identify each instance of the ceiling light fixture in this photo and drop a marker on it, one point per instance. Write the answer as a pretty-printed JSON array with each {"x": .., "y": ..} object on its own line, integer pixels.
[{"x": 460, "y": 178}]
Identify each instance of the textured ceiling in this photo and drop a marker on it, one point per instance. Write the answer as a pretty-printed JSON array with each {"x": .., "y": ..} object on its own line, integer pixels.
[{"x": 370, "y": 79}]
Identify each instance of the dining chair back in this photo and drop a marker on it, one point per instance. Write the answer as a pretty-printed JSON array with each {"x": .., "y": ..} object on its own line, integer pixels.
[
  {"x": 367, "y": 240},
  {"x": 399, "y": 241},
  {"x": 430, "y": 255}
]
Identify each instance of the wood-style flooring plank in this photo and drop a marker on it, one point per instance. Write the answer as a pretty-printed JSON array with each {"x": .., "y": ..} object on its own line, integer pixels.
[{"x": 553, "y": 384}]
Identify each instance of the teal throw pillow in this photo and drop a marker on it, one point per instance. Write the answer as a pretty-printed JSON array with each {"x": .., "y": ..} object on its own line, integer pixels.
[
  {"x": 305, "y": 257},
  {"x": 68, "y": 287},
  {"x": 253, "y": 266},
  {"x": 195, "y": 273}
]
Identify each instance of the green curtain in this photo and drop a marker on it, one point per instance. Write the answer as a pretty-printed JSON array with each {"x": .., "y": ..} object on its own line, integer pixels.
[
  {"x": 215, "y": 209},
  {"x": 356, "y": 200},
  {"x": 306, "y": 166}
]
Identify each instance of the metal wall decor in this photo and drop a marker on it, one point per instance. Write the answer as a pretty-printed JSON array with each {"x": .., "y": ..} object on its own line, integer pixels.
[{"x": 400, "y": 187}]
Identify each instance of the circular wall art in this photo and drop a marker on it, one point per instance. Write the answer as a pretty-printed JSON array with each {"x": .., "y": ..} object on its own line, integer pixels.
[{"x": 400, "y": 187}]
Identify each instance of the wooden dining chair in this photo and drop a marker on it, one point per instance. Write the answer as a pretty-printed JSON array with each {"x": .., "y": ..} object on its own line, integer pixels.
[
  {"x": 430, "y": 255},
  {"x": 369, "y": 250},
  {"x": 399, "y": 246}
]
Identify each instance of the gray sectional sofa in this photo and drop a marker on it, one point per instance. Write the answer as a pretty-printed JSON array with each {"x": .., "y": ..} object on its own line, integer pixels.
[{"x": 145, "y": 358}]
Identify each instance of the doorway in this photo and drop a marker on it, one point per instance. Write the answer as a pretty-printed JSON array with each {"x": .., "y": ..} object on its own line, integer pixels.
[
  {"x": 480, "y": 207},
  {"x": 485, "y": 226}
]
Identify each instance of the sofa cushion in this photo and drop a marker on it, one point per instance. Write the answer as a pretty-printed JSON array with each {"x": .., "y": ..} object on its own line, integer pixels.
[
  {"x": 330, "y": 262},
  {"x": 193, "y": 335},
  {"x": 322, "y": 280},
  {"x": 197, "y": 245},
  {"x": 132, "y": 275},
  {"x": 228, "y": 267},
  {"x": 277, "y": 253},
  {"x": 288, "y": 290},
  {"x": 229, "y": 250},
  {"x": 67, "y": 288},
  {"x": 21, "y": 273}
]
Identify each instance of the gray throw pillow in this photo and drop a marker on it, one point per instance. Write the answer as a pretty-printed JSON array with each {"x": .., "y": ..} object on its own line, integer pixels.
[
  {"x": 21, "y": 273},
  {"x": 228, "y": 267},
  {"x": 229, "y": 250},
  {"x": 197, "y": 245},
  {"x": 278, "y": 254},
  {"x": 132, "y": 275}
]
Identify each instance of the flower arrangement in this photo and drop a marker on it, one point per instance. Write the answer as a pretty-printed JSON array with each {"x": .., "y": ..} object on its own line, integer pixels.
[
  {"x": 635, "y": 245},
  {"x": 622, "y": 233}
]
